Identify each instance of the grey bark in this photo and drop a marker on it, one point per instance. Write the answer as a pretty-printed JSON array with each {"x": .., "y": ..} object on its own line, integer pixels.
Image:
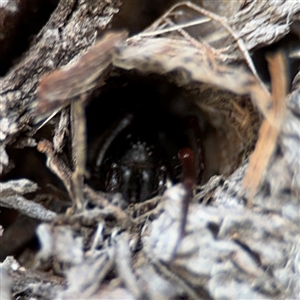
[{"x": 230, "y": 251}]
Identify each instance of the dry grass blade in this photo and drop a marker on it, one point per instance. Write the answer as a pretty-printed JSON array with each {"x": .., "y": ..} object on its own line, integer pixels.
[
  {"x": 163, "y": 55},
  {"x": 174, "y": 27},
  {"x": 212, "y": 62},
  {"x": 208, "y": 16},
  {"x": 268, "y": 133}
]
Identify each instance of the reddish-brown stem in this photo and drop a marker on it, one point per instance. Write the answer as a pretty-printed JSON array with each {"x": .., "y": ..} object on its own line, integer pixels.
[{"x": 187, "y": 158}]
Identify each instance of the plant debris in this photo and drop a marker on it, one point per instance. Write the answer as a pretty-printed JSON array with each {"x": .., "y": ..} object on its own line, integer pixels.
[{"x": 241, "y": 225}]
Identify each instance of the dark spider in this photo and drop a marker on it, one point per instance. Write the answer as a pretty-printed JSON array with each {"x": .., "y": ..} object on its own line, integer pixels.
[{"x": 145, "y": 142}]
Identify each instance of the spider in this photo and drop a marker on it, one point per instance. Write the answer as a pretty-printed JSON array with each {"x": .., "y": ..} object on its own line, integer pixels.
[{"x": 142, "y": 134}]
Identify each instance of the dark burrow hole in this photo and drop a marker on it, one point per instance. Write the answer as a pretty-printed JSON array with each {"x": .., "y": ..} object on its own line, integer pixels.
[
  {"x": 135, "y": 130},
  {"x": 163, "y": 118},
  {"x": 138, "y": 124}
]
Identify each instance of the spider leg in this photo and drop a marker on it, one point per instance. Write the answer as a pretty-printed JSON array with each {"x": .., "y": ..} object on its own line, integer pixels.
[
  {"x": 187, "y": 158},
  {"x": 116, "y": 129}
]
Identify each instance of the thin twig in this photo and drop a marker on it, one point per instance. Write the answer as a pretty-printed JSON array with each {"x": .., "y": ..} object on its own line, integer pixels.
[
  {"x": 174, "y": 27},
  {"x": 27, "y": 207},
  {"x": 211, "y": 16}
]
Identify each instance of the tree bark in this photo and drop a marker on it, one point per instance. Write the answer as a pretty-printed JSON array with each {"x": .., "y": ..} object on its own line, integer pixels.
[{"x": 230, "y": 250}]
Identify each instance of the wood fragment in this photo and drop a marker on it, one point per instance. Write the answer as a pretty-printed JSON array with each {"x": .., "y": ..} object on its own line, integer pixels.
[
  {"x": 57, "y": 89},
  {"x": 27, "y": 207},
  {"x": 11, "y": 196}
]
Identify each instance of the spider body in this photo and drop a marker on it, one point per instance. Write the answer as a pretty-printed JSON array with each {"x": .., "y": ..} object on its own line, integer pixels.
[
  {"x": 136, "y": 175},
  {"x": 138, "y": 152},
  {"x": 131, "y": 160}
]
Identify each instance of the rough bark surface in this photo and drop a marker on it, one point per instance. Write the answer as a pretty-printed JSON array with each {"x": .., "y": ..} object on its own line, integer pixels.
[{"x": 236, "y": 245}]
